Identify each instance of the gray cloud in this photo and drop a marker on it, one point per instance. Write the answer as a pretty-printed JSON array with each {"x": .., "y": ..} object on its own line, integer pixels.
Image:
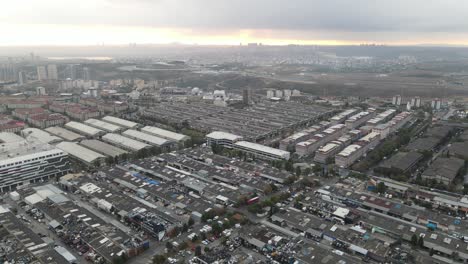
[{"x": 301, "y": 15}]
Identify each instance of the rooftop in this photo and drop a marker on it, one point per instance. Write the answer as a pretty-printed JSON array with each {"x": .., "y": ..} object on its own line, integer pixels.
[
  {"x": 262, "y": 148},
  {"x": 120, "y": 121},
  {"x": 41, "y": 135},
  {"x": 84, "y": 129},
  {"x": 64, "y": 133},
  {"x": 154, "y": 140},
  {"x": 125, "y": 142},
  {"x": 103, "y": 148},
  {"x": 219, "y": 135},
  {"x": 79, "y": 152},
  {"x": 102, "y": 125},
  {"x": 164, "y": 133}
]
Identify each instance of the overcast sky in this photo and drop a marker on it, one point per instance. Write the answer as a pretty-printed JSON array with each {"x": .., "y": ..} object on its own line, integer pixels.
[{"x": 77, "y": 22}]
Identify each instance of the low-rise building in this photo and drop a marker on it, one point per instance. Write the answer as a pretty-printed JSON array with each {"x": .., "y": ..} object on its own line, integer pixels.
[
  {"x": 328, "y": 151},
  {"x": 163, "y": 133},
  {"x": 124, "y": 142},
  {"x": 64, "y": 133},
  {"x": 359, "y": 118},
  {"x": 83, "y": 129},
  {"x": 222, "y": 138},
  {"x": 348, "y": 156},
  {"x": 121, "y": 122},
  {"x": 149, "y": 139},
  {"x": 103, "y": 148},
  {"x": 108, "y": 127},
  {"x": 34, "y": 134},
  {"x": 443, "y": 170},
  {"x": 47, "y": 120},
  {"x": 82, "y": 154},
  {"x": 261, "y": 151}
]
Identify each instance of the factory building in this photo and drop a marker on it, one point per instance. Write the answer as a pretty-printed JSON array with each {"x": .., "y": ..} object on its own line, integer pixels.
[
  {"x": 261, "y": 151},
  {"x": 163, "y": 133},
  {"x": 83, "y": 129},
  {"x": 121, "y": 122},
  {"x": 81, "y": 154},
  {"x": 221, "y": 138},
  {"x": 40, "y": 135},
  {"x": 149, "y": 139},
  {"x": 25, "y": 162},
  {"x": 108, "y": 127},
  {"x": 64, "y": 133},
  {"x": 124, "y": 142},
  {"x": 103, "y": 148}
]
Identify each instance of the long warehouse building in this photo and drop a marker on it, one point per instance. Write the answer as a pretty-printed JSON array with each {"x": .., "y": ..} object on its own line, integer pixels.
[
  {"x": 124, "y": 142},
  {"x": 80, "y": 153},
  {"x": 84, "y": 129},
  {"x": 103, "y": 148},
  {"x": 121, "y": 122},
  {"x": 261, "y": 151},
  {"x": 40, "y": 135},
  {"x": 149, "y": 139},
  {"x": 108, "y": 127},
  {"x": 64, "y": 133},
  {"x": 169, "y": 135}
]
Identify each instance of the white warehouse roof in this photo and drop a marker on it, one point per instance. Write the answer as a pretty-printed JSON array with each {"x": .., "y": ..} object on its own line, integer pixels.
[
  {"x": 33, "y": 134},
  {"x": 84, "y": 129},
  {"x": 219, "y": 135},
  {"x": 103, "y": 125},
  {"x": 79, "y": 152},
  {"x": 149, "y": 139},
  {"x": 156, "y": 131},
  {"x": 7, "y": 137},
  {"x": 120, "y": 122},
  {"x": 124, "y": 142},
  {"x": 103, "y": 148},
  {"x": 263, "y": 148},
  {"x": 64, "y": 133}
]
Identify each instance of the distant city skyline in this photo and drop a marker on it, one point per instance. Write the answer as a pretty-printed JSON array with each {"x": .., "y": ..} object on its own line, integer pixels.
[{"x": 210, "y": 22}]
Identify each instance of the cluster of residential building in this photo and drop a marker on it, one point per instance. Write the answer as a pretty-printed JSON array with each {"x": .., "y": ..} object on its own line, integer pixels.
[{"x": 353, "y": 152}]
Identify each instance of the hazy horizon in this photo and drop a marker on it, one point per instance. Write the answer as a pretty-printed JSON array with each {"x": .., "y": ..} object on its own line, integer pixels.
[{"x": 210, "y": 22}]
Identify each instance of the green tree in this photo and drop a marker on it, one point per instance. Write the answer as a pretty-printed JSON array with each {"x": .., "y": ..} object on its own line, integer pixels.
[
  {"x": 414, "y": 240},
  {"x": 191, "y": 221},
  {"x": 159, "y": 259},
  {"x": 421, "y": 242},
  {"x": 381, "y": 188},
  {"x": 298, "y": 171},
  {"x": 169, "y": 246},
  {"x": 198, "y": 251}
]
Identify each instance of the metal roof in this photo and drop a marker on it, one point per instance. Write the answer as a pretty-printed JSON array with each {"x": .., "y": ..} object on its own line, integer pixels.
[
  {"x": 83, "y": 129},
  {"x": 120, "y": 122},
  {"x": 102, "y": 125},
  {"x": 42, "y": 136},
  {"x": 156, "y": 131},
  {"x": 219, "y": 135},
  {"x": 79, "y": 152},
  {"x": 146, "y": 138},
  {"x": 64, "y": 133},
  {"x": 124, "y": 142},
  {"x": 103, "y": 148}
]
